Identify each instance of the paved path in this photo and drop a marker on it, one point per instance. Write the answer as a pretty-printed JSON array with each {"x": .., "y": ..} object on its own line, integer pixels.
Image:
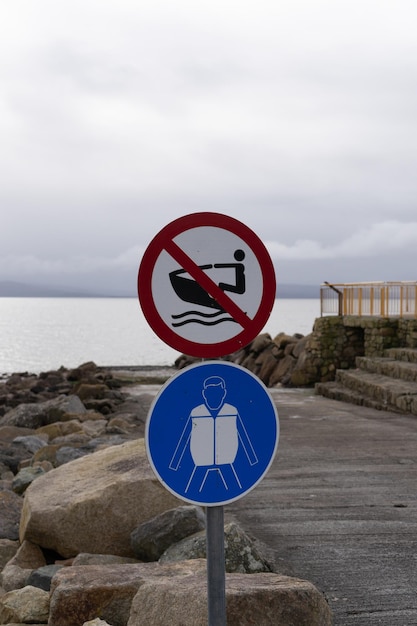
[{"x": 339, "y": 507}]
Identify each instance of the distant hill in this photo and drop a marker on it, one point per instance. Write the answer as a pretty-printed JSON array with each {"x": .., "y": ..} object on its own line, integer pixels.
[
  {"x": 14, "y": 289},
  {"x": 298, "y": 291}
]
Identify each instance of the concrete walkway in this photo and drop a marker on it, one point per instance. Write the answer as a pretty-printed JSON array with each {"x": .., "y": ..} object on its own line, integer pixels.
[{"x": 339, "y": 506}]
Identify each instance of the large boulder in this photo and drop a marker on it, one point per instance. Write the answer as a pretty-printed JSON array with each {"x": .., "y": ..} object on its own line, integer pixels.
[
  {"x": 261, "y": 599},
  {"x": 282, "y": 371},
  {"x": 93, "y": 504},
  {"x": 85, "y": 592},
  {"x": 266, "y": 362},
  {"x": 260, "y": 343}
]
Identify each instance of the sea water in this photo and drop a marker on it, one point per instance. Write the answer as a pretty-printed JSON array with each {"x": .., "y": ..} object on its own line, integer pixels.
[{"x": 39, "y": 334}]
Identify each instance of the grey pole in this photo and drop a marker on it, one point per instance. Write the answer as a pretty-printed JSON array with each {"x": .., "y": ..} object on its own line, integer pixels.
[{"x": 216, "y": 572}]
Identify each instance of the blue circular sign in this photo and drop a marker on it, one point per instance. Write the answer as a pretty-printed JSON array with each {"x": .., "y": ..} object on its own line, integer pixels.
[{"x": 212, "y": 433}]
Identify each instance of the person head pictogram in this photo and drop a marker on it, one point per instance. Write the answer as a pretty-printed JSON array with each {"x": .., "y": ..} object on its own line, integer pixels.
[{"x": 214, "y": 392}]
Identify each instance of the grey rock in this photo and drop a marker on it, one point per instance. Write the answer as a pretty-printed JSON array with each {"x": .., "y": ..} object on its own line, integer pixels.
[
  {"x": 25, "y": 477},
  {"x": 8, "y": 549},
  {"x": 31, "y": 443},
  {"x": 16, "y": 571},
  {"x": 12, "y": 455},
  {"x": 38, "y": 414},
  {"x": 241, "y": 553},
  {"x": 10, "y": 511},
  {"x": 24, "y": 416},
  {"x": 150, "y": 540},
  {"x": 42, "y": 576},
  {"x": 68, "y": 453},
  {"x": 28, "y": 605}
]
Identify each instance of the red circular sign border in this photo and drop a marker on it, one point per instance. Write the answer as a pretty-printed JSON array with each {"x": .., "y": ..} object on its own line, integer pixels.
[{"x": 150, "y": 257}]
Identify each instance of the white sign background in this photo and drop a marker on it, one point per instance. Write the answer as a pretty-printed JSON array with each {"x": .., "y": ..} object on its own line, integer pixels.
[{"x": 207, "y": 245}]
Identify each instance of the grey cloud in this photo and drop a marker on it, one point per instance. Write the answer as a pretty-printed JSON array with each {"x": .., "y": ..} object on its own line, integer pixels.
[
  {"x": 30, "y": 265},
  {"x": 366, "y": 242},
  {"x": 297, "y": 118}
]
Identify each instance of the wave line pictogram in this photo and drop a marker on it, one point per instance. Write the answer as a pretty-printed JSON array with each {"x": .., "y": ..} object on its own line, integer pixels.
[
  {"x": 203, "y": 322},
  {"x": 179, "y": 315}
]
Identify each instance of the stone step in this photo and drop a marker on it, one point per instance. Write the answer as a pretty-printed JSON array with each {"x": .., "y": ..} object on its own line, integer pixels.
[
  {"x": 335, "y": 391},
  {"x": 402, "y": 354},
  {"x": 403, "y": 370},
  {"x": 386, "y": 392}
]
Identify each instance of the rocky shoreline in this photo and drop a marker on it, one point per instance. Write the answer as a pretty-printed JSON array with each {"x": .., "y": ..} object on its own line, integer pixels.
[
  {"x": 273, "y": 360},
  {"x": 89, "y": 536}
]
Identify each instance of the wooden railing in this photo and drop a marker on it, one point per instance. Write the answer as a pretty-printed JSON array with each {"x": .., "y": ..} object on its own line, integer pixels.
[{"x": 390, "y": 299}]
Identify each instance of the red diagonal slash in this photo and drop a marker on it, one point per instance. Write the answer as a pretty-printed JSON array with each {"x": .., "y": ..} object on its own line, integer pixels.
[{"x": 207, "y": 283}]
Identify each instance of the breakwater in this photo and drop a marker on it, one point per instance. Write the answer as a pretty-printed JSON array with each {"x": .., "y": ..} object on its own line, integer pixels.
[{"x": 334, "y": 343}]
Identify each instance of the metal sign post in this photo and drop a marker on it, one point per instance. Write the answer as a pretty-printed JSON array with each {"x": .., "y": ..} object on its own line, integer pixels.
[{"x": 216, "y": 571}]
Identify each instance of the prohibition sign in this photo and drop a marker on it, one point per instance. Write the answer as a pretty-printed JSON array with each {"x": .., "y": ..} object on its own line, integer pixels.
[{"x": 206, "y": 285}]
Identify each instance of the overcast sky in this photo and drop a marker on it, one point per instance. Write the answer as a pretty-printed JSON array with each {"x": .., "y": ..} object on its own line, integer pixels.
[{"x": 297, "y": 117}]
